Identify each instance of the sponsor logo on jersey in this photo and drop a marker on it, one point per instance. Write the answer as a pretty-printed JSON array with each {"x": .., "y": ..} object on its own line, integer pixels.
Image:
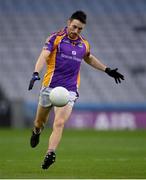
[{"x": 74, "y": 53}]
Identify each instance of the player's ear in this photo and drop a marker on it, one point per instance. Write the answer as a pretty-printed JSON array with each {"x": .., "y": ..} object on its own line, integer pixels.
[{"x": 68, "y": 22}]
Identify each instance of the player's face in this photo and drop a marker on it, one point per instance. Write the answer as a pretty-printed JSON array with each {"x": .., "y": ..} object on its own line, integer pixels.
[{"x": 74, "y": 28}]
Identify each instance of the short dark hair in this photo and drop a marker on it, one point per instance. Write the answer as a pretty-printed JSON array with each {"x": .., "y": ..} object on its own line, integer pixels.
[{"x": 79, "y": 15}]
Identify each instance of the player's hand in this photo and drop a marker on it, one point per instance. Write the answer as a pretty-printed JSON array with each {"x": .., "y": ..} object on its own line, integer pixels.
[
  {"x": 115, "y": 74},
  {"x": 35, "y": 77}
]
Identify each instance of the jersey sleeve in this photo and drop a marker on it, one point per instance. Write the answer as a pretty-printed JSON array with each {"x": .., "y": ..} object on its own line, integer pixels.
[
  {"x": 49, "y": 44},
  {"x": 87, "y": 49},
  {"x": 87, "y": 45}
]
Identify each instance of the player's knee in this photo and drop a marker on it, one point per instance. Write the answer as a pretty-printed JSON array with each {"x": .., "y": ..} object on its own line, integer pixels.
[{"x": 59, "y": 123}]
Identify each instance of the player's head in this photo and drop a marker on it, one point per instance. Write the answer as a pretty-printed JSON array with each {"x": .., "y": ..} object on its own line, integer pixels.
[
  {"x": 79, "y": 15},
  {"x": 76, "y": 23}
]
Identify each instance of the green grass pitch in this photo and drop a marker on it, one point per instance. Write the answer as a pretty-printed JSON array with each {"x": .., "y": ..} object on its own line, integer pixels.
[{"x": 82, "y": 154}]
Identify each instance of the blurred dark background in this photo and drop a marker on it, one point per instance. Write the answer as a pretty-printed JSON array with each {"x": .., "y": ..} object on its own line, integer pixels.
[{"x": 116, "y": 30}]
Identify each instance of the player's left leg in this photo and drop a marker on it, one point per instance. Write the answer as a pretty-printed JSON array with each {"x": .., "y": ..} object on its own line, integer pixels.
[
  {"x": 44, "y": 107},
  {"x": 39, "y": 122},
  {"x": 62, "y": 114}
]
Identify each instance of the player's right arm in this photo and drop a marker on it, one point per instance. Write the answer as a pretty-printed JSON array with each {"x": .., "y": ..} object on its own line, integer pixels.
[{"x": 43, "y": 57}]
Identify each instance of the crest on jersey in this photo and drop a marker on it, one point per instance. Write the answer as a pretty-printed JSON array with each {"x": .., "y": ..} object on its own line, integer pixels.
[{"x": 80, "y": 45}]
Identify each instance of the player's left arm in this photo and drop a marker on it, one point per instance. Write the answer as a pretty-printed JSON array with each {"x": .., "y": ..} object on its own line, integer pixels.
[
  {"x": 94, "y": 62},
  {"x": 97, "y": 64}
]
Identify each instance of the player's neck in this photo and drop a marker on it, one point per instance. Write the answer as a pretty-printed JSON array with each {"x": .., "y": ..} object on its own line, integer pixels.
[{"x": 73, "y": 39}]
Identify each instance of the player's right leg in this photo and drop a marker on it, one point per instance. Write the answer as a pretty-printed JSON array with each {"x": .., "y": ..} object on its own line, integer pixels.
[{"x": 40, "y": 120}]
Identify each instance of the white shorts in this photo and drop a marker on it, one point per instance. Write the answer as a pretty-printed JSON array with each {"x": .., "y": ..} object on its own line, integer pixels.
[{"x": 44, "y": 99}]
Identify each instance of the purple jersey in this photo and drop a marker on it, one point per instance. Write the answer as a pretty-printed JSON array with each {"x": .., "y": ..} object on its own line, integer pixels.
[{"x": 63, "y": 65}]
